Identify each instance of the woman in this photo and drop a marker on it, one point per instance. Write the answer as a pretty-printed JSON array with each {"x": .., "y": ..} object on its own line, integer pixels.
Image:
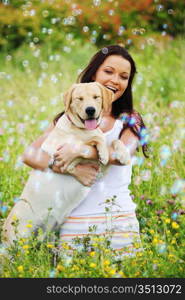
[{"x": 114, "y": 68}]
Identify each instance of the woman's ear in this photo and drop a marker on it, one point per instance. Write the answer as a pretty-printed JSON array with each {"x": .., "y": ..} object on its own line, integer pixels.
[{"x": 68, "y": 97}]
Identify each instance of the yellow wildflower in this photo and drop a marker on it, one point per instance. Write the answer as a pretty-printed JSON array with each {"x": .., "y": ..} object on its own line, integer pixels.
[
  {"x": 92, "y": 253},
  {"x": 173, "y": 241},
  {"x": 121, "y": 273},
  {"x": 25, "y": 247},
  {"x": 175, "y": 225},
  {"x": 20, "y": 269},
  {"x": 155, "y": 261},
  {"x": 101, "y": 239},
  {"x": 50, "y": 246},
  {"x": 60, "y": 268},
  {"x": 29, "y": 225},
  {"x": 65, "y": 246},
  {"x": 75, "y": 268},
  {"x": 106, "y": 262},
  {"x": 139, "y": 254},
  {"x": 92, "y": 265},
  {"x": 137, "y": 245},
  {"x": 112, "y": 272},
  {"x": 151, "y": 231},
  {"x": 82, "y": 261},
  {"x": 167, "y": 221},
  {"x": 155, "y": 241},
  {"x": 106, "y": 250},
  {"x": 95, "y": 239},
  {"x": 15, "y": 218}
]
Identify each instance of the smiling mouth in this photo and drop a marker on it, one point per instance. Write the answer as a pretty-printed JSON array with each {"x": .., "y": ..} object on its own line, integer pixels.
[
  {"x": 114, "y": 90},
  {"x": 90, "y": 123},
  {"x": 89, "y": 119}
]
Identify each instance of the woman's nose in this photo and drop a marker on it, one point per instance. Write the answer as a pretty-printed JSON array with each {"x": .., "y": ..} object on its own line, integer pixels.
[{"x": 115, "y": 78}]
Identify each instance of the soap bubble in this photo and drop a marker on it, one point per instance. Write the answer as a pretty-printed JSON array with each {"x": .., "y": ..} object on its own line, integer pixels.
[
  {"x": 97, "y": 2},
  {"x": 105, "y": 50},
  {"x": 25, "y": 63},
  {"x": 178, "y": 186},
  {"x": 111, "y": 12},
  {"x": 85, "y": 28},
  {"x": 6, "y": 2},
  {"x": 43, "y": 124},
  {"x": 146, "y": 175},
  {"x": 176, "y": 145},
  {"x": 170, "y": 11},
  {"x": 121, "y": 30},
  {"x": 161, "y": 248},
  {"x": 45, "y": 13},
  {"x": 165, "y": 152},
  {"x": 174, "y": 215},
  {"x": 53, "y": 78},
  {"x": 52, "y": 273},
  {"x": 3, "y": 209}
]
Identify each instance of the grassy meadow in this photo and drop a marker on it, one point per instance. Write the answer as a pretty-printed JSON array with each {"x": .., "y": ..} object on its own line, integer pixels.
[{"x": 32, "y": 83}]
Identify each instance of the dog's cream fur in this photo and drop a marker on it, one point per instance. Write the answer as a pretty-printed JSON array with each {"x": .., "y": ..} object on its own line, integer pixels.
[{"x": 48, "y": 197}]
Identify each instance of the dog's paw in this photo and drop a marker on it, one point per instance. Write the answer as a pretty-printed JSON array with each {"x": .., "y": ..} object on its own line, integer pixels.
[
  {"x": 104, "y": 157},
  {"x": 121, "y": 153}
]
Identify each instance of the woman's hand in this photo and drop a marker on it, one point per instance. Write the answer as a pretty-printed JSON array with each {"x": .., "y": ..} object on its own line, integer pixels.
[
  {"x": 65, "y": 154},
  {"x": 86, "y": 173}
]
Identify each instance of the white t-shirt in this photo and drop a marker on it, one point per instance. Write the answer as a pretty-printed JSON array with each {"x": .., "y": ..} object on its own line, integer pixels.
[{"x": 114, "y": 182}]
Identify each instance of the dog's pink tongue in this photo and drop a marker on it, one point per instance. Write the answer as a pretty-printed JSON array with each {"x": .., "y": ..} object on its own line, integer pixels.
[{"x": 90, "y": 124}]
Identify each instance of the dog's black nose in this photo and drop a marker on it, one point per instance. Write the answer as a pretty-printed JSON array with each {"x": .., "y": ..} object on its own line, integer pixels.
[{"x": 90, "y": 111}]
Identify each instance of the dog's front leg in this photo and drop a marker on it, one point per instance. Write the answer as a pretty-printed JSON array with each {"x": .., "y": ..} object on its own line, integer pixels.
[
  {"x": 120, "y": 152},
  {"x": 103, "y": 152},
  {"x": 102, "y": 149},
  {"x": 72, "y": 165}
]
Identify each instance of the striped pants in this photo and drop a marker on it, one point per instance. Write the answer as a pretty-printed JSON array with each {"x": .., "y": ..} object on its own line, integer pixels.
[{"x": 122, "y": 229}]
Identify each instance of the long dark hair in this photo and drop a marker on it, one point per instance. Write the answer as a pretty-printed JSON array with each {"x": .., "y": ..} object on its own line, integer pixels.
[{"x": 125, "y": 103}]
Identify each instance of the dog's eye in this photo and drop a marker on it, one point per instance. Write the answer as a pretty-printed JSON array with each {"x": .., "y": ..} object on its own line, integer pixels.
[{"x": 95, "y": 97}]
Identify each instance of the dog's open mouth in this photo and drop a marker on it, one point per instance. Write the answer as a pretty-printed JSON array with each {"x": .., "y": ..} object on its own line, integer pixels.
[{"x": 90, "y": 124}]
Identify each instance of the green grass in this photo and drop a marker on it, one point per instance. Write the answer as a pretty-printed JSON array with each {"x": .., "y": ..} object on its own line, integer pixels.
[{"x": 32, "y": 83}]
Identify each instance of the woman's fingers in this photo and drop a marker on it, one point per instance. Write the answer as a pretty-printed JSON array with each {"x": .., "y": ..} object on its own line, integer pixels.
[
  {"x": 91, "y": 165},
  {"x": 60, "y": 147}
]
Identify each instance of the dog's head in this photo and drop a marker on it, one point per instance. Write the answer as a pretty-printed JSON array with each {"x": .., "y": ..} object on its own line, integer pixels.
[{"x": 85, "y": 102}]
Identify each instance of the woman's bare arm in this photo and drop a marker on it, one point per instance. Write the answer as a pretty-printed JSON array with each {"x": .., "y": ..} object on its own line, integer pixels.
[{"x": 34, "y": 156}]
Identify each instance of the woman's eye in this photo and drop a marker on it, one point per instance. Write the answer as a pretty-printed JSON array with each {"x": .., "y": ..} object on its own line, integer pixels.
[
  {"x": 80, "y": 98},
  {"x": 108, "y": 72},
  {"x": 124, "y": 77}
]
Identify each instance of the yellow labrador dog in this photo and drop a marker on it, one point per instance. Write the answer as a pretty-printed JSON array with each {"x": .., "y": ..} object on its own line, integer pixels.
[{"x": 48, "y": 197}]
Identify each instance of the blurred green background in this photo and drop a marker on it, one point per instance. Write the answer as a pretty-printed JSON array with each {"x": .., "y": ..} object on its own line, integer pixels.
[{"x": 98, "y": 22}]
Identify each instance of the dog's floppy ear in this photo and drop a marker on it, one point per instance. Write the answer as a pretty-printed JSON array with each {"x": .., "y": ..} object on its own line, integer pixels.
[
  {"x": 107, "y": 95},
  {"x": 68, "y": 96}
]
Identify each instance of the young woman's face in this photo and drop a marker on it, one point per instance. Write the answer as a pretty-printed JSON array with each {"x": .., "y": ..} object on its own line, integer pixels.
[{"x": 114, "y": 74}]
